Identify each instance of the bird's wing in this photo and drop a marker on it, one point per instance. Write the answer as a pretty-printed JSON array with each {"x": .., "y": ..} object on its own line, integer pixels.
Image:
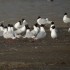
[{"x": 41, "y": 35}]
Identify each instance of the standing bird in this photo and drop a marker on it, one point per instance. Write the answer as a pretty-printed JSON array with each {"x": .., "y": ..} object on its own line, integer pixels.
[
  {"x": 4, "y": 32},
  {"x": 66, "y": 19},
  {"x": 12, "y": 28},
  {"x": 9, "y": 27},
  {"x": 42, "y": 33},
  {"x": 1, "y": 29},
  {"x": 17, "y": 25},
  {"x": 52, "y": 24},
  {"x": 28, "y": 33},
  {"x": 35, "y": 29},
  {"x": 7, "y": 33},
  {"x": 53, "y": 32}
]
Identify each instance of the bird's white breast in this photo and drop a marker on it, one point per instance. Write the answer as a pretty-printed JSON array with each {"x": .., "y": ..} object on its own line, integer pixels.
[{"x": 53, "y": 33}]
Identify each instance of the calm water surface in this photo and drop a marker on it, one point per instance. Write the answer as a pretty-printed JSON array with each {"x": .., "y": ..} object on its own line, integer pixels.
[{"x": 13, "y": 10}]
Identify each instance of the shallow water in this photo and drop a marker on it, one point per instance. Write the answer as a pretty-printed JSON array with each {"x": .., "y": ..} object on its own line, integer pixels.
[{"x": 13, "y": 10}]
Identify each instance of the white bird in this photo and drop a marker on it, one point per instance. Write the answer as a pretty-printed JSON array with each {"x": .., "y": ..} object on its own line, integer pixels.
[
  {"x": 8, "y": 34},
  {"x": 24, "y": 22},
  {"x": 16, "y": 35},
  {"x": 53, "y": 32},
  {"x": 17, "y": 25},
  {"x": 21, "y": 30},
  {"x": 52, "y": 24},
  {"x": 48, "y": 21},
  {"x": 69, "y": 30},
  {"x": 1, "y": 29},
  {"x": 12, "y": 28},
  {"x": 4, "y": 32},
  {"x": 43, "y": 21},
  {"x": 42, "y": 33},
  {"x": 35, "y": 29},
  {"x": 9, "y": 28},
  {"x": 28, "y": 33},
  {"x": 66, "y": 19}
]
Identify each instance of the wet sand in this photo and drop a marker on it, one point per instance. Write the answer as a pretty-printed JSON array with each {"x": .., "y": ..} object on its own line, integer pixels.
[{"x": 27, "y": 54}]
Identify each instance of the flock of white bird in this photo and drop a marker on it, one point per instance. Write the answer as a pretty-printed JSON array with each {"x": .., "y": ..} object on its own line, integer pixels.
[{"x": 38, "y": 31}]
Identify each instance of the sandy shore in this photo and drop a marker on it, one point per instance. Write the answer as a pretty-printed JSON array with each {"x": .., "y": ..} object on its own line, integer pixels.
[{"x": 27, "y": 54}]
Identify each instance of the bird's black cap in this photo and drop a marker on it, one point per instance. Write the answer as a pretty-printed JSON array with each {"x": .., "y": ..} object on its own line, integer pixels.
[
  {"x": 8, "y": 24},
  {"x": 2, "y": 25},
  {"x": 42, "y": 25},
  {"x": 53, "y": 27},
  {"x": 36, "y": 24},
  {"x": 52, "y": 22},
  {"x": 20, "y": 22},
  {"x": 23, "y": 19},
  {"x": 27, "y": 27},
  {"x": 5, "y": 27},
  {"x": 11, "y": 25},
  {"x": 38, "y": 17},
  {"x": 65, "y": 13}
]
